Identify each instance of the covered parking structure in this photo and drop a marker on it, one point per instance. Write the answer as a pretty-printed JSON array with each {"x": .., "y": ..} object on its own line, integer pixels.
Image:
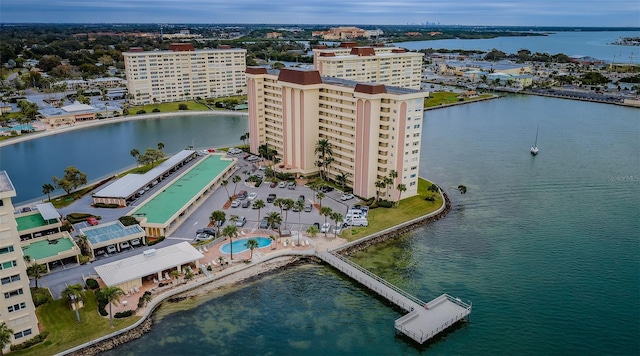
[
  {"x": 150, "y": 266},
  {"x": 164, "y": 211},
  {"x": 132, "y": 186},
  {"x": 112, "y": 233},
  {"x": 52, "y": 252},
  {"x": 39, "y": 224}
]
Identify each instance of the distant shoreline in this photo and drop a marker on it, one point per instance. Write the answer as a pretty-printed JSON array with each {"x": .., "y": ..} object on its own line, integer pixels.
[{"x": 100, "y": 122}]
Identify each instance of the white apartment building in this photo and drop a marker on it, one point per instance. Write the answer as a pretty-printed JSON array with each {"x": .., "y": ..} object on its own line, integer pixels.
[
  {"x": 16, "y": 307},
  {"x": 373, "y": 129},
  {"x": 384, "y": 65},
  {"x": 184, "y": 73}
]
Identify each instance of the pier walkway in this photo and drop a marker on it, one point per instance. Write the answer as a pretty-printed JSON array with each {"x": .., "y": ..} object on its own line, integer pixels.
[{"x": 424, "y": 320}]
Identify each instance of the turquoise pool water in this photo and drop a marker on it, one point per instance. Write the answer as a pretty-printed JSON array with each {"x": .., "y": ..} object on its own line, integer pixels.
[{"x": 240, "y": 245}]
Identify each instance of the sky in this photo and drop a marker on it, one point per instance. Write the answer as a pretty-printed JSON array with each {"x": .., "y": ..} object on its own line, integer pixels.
[{"x": 571, "y": 13}]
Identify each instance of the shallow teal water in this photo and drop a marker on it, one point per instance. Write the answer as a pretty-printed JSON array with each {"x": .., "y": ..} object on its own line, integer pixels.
[{"x": 547, "y": 248}]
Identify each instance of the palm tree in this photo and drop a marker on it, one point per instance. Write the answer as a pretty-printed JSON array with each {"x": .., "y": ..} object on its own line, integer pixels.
[
  {"x": 299, "y": 205},
  {"x": 279, "y": 202},
  {"x": 274, "y": 219},
  {"x": 312, "y": 230},
  {"x": 112, "y": 295},
  {"x": 233, "y": 219},
  {"x": 326, "y": 212},
  {"x": 401, "y": 188},
  {"x": 224, "y": 183},
  {"x": 387, "y": 182},
  {"x": 231, "y": 231},
  {"x": 393, "y": 174},
  {"x": 175, "y": 274},
  {"x": 251, "y": 245},
  {"x": 236, "y": 179},
  {"x": 243, "y": 138},
  {"x": 47, "y": 188},
  {"x": 35, "y": 270},
  {"x": 288, "y": 203},
  {"x": 337, "y": 218},
  {"x": 5, "y": 336},
  {"x": 342, "y": 179},
  {"x": 320, "y": 195},
  {"x": 379, "y": 185},
  {"x": 324, "y": 151},
  {"x": 259, "y": 204},
  {"x": 160, "y": 146},
  {"x": 216, "y": 216},
  {"x": 135, "y": 154},
  {"x": 72, "y": 293},
  {"x": 144, "y": 299}
]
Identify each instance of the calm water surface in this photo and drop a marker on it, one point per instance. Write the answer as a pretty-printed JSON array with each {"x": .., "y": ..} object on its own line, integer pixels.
[
  {"x": 102, "y": 151},
  {"x": 597, "y": 44},
  {"x": 547, "y": 248}
]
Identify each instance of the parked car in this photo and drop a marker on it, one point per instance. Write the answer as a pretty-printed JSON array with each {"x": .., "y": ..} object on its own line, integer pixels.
[
  {"x": 271, "y": 197},
  {"x": 273, "y": 185},
  {"x": 348, "y": 196},
  {"x": 301, "y": 197},
  {"x": 264, "y": 224},
  {"x": 112, "y": 249},
  {"x": 246, "y": 203},
  {"x": 326, "y": 189},
  {"x": 92, "y": 221},
  {"x": 291, "y": 185},
  {"x": 241, "y": 221},
  {"x": 210, "y": 231},
  {"x": 262, "y": 168},
  {"x": 325, "y": 227},
  {"x": 235, "y": 203},
  {"x": 356, "y": 222},
  {"x": 252, "y": 196},
  {"x": 242, "y": 195},
  {"x": 219, "y": 223},
  {"x": 124, "y": 245},
  {"x": 336, "y": 230},
  {"x": 282, "y": 184},
  {"x": 308, "y": 207},
  {"x": 135, "y": 242}
]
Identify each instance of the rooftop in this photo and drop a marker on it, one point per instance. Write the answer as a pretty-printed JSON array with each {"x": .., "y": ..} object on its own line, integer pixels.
[
  {"x": 149, "y": 262},
  {"x": 42, "y": 249},
  {"x": 30, "y": 221},
  {"x": 174, "y": 197},
  {"x": 109, "y": 231},
  {"x": 5, "y": 182}
]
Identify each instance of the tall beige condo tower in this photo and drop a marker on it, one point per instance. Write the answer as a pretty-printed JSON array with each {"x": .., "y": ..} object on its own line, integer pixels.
[{"x": 16, "y": 307}]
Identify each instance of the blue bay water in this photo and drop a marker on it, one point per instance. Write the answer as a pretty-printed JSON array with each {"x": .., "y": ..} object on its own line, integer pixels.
[{"x": 547, "y": 248}]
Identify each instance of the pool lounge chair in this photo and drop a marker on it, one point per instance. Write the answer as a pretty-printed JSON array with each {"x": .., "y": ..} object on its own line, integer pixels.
[{"x": 205, "y": 249}]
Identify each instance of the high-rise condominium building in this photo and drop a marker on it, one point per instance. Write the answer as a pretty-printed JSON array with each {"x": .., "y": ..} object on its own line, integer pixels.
[
  {"x": 16, "y": 307},
  {"x": 383, "y": 65},
  {"x": 184, "y": 73},
  {"x": 373, "y": 129}
]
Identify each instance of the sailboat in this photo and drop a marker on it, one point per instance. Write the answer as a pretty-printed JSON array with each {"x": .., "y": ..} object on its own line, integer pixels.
[{"x": 534, "y": 148}]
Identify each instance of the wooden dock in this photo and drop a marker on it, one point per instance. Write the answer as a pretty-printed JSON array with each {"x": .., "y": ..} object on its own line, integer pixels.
[{"x": 424, "y": 320}]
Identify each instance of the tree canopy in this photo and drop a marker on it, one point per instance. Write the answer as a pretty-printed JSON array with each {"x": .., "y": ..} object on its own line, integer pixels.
[{"x": 72, "y": 179}]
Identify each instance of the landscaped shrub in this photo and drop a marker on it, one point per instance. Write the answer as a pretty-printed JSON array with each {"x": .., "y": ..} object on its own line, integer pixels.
[
  {"x": 102, "y": 303},
  {"x": 128, "y": 220},
  {"x": 75, "y": 218},
  {"x": 40, "y": 296},
  {"x": 154, "y": 240},
  {"x": 431, "y": 198},
  {"x": 155, "y": 110},
  {"x": 66, "y": 227},
  {"x": 385, "y": 204},
  {"x": 92, "y": 284},
  {"x": 183, "y": 107},
  {"x": 83, "y": 259},
  {"x": 141, "y": 111},
  {"x": 108, "y": 206},
  {"x": 34, "y": 341},
  {"x": 124, "y": 314}
]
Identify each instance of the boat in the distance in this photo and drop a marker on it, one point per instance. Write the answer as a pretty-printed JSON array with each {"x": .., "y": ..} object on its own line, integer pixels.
[{"x": 534, "y": 148}]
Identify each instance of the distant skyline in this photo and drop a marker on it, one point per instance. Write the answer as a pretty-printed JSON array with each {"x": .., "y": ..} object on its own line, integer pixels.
[{"x": 571, "y": 13}]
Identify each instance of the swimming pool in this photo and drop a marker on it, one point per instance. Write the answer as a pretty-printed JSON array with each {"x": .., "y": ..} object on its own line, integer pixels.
[{"x": 240, "y": 245}]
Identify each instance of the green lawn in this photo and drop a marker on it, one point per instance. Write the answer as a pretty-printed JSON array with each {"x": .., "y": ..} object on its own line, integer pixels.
[
  {"x": 169, "y": 107},
  {"x": 64, "y": 331},
  {"x": 444, "y": 98},
  {"x": 409, "y": 208}
]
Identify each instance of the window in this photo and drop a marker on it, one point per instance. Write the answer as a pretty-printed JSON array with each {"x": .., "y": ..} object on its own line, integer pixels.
[
  {"x": 7, "y": 249},
  {"x": 11, "y": 279},
  {"x": 416, "y": 126},
  {"x": 13, "y": 293},
  {"x": 22, "y": 334},
  {"x": 16, "y": 307},
  {"x": 8, "y": 264}
]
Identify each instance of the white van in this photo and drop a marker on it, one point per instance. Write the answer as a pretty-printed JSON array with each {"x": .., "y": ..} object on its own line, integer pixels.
[
  {"x": 111, "y": 249},
  {"x": 355, "y": 213},
  {"x": 356, "y": 221}
]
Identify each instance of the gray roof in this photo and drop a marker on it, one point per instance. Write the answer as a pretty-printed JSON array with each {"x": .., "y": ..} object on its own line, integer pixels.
[
  {"x": 109, "y": 231},
  {"x": 48, "y": 211},
  {"x": 5, "y": 182},
  {"x": 149, "y": 262},
  {"x": 131, "y": 183}
]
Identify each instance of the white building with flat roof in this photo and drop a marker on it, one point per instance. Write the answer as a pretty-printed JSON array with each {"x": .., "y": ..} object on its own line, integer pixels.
[
  {"x": 17, "y": 310},
  {"x": 383, "y": 65},
  {"x": 184, "y": 73},
  {"x": 373, "y": 129}
]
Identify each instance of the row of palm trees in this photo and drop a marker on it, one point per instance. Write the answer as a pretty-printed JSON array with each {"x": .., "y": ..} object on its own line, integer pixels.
[{"x": 387, "y": 182}]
